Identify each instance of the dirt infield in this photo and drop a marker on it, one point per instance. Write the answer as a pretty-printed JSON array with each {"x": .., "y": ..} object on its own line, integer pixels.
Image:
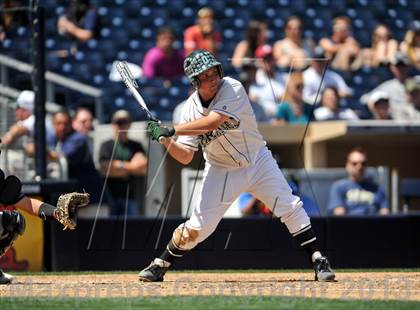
[{"x": 349, "y": 285}]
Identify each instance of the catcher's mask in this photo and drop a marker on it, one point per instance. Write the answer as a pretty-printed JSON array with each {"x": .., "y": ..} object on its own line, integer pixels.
[{"x": 198, "y": 62}]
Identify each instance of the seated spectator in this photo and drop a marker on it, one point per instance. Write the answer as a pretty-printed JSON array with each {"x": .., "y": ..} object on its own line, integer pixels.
[
  {"x": 411, "y": 111},
  {"x": 202, "y": 35},
  {"x": 330, "y": 109},
  {"x": 357, "y": 194},
  {"x": 315, "y": 80},
  {"x": 268, "y": 89},
  {"x": 83, "y": 120},
  {"x": 256, "y": 36},
  {"x": 247, "y": 78},
  {"x": 11, "y": 20},
  {"x": 383, "y": 48},
  {"x": 395, "y": 88},
  {"x": 163, "y": 60},
  {"x": 379, "y": 106},
  {"x": 80, "y": 22},
  {"x": 74, "y": 147},
  {"x": 294, "y": 110},
  {"x": 411, "y": 45},
  {"x": 25, "y": 125},
  {"x": 123, "y": 162},
  {"x": 341, "y": 47},
  {"x": 293, "y": 50}
]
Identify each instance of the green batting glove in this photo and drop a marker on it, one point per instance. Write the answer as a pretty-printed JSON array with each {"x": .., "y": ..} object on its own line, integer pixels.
[{"x": 156, "y": 130}]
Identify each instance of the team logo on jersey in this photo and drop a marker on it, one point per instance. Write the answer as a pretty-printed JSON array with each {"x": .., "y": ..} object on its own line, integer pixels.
[{"x": 206, "y": 138}]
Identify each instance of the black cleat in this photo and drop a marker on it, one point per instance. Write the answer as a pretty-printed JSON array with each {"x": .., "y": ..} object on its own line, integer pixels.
[
  {"x": 155, "y": 271},
  {"x": 323, "y": 271},
  {"x": 5, "y": 278}
]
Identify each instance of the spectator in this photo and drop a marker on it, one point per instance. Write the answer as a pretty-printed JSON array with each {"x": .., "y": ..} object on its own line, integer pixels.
[
  {"x": 293, "y": 50},
  {"x": 269, "y": 88},
  {"x": 256, "y": 36},
  {"x": 341, "y": 47},
  {"x": 411, "y": 112},
  {"x": 357, "y": 194},
  {"x": 294, "y": 110},
  {"x": 80, "y": 21},
  {"x": 247, "y": 78},
  {"x": 315, "y": 80},
  {"x": 202, "y": 35},
  {"x": 163, "y": 60},
  {"x": 123, "y": 161},
  {"x": 11, "y": 20},
  {"x": 25, "y": 119},
  {"x": 83, "y": 121},
  {"x": 383, "y": 48},
  {"x": 330, "y": 108},
  {"x": 411, "y": 45},
  {"x": 379, "y": 106},
  {"x": 74, "y": 147},
  {"x": 395, "y": 88}
]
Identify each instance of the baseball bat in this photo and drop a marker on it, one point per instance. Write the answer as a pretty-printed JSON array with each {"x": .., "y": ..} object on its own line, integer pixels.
[{"x": 133, "y": 87}]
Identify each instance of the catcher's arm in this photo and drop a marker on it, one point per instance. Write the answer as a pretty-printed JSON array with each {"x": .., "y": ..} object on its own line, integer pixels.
[{"x": 29, "y": 205}]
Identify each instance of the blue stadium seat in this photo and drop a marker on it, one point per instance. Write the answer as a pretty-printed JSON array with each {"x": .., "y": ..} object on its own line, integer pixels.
[
  {"x": 175, "y": 8},
  {"x": 132, "y": 9},
  {"x": 364, "y": 37},
  {"x": 52, "y": 63}
]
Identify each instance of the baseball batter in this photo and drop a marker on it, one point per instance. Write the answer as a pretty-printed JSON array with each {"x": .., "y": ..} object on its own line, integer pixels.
[{"x": 218, "y": 117}]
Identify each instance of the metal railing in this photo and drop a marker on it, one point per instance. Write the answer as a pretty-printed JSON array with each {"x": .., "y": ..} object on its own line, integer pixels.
[{"x": 52, "y": 78}]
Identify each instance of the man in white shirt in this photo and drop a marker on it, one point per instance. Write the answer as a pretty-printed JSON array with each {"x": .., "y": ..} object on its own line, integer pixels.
[
  {"x": 314, "y": 81},
  {"x": 25, "y": 118},
  {"x": 395, "y": 88},
  {"x": 218, "y": 117}
]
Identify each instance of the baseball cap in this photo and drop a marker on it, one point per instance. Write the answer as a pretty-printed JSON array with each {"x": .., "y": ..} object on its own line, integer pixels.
[
  {"x": 26, "y": 100},
  {"x": 412, "y": 84},
  {"x": 400, "y": 59},
  {"x": 379, "y": 95},
  {"x": 121, "y": 115},
  {"x": 318, "y": 52},
  {"x": 264, "y": 51}
]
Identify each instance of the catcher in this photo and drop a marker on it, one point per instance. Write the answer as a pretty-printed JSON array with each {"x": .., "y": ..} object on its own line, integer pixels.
[{"x": 12, "y": 223}]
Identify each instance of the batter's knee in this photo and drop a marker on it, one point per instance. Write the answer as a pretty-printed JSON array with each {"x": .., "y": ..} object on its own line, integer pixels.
[
  {"x": 185, "y": 238},
  {"x": 296, "y": 218}
]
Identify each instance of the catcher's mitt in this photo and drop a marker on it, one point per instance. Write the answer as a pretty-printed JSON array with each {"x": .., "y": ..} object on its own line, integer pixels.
[{"x": 67, "y": 204}]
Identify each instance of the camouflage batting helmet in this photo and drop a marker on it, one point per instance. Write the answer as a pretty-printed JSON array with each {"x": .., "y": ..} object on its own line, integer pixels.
[{"x": 198, "y": 62}]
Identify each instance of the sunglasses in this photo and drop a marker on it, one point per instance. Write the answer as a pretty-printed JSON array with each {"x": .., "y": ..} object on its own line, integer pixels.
[
  {"x": 122, "y": 123},
  {"x": 355, "y": 163}
]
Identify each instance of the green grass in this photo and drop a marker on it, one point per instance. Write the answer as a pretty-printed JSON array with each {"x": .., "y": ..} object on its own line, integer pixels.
[{"x": 217, "y": 302}]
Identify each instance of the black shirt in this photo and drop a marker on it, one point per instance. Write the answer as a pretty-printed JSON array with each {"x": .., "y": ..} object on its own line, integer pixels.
[{"x": 123, "y": 151}]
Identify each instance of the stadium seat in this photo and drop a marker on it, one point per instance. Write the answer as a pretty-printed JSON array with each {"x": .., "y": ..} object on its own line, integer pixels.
[{"x": 409, "y": 190}]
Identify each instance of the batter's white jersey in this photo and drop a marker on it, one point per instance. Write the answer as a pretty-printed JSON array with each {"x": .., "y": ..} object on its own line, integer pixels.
[{"x": 236, "y": 143}]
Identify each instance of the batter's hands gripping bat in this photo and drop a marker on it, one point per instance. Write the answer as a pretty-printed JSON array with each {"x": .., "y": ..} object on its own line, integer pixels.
[{"x": 133, "y": 87}]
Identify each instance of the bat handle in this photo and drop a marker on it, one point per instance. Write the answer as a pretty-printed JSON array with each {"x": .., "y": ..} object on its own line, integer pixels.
[{"x": 162, "y": 140}]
